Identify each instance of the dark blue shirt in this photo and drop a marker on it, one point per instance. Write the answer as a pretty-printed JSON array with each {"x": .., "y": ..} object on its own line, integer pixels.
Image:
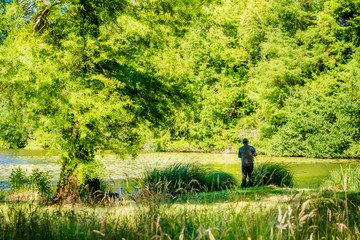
[{"x": 246, "y": 153}]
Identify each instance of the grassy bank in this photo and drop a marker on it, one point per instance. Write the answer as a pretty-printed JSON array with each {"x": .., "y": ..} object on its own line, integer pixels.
[
  {"x": 261, "y": 212},
  {"x": 258, "y": 213}
]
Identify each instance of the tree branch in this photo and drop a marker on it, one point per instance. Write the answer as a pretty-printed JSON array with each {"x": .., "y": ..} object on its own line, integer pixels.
[{"x": 41, "y": 18}]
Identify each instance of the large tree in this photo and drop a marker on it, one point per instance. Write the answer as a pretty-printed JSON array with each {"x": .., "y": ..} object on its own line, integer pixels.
[{"x": 77, "y": 75}]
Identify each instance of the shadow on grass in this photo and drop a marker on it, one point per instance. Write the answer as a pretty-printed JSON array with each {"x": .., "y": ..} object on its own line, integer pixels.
[
  {"x": 353, "y": 197},
  {"x": 252, "y": 194}
]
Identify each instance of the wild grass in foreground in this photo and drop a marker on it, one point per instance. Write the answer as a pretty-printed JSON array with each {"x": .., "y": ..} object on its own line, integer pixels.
[
  {"x": 304, "y": 218},
  {"x": 187, "y": 178}
]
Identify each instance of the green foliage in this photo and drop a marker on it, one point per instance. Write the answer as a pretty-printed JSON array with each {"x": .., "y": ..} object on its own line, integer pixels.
[
  {"x": 318, "y": 124},
  {"x": 40, "y": 182},
  {"x": 37, "y": 181},
  {"x": 353, "y": 151},
  {"x": 344, "y": 179},
  {"x": 187, "y": 178},
  {"x": 12, "y": 124},
  {"x": 257, "y": 69},
  {"x": 304, "y": 81},
  {"x": 18, "y": 179},
  {"x": 272, "y": 174},
  {"x": 213, "y": 69},
  {"x": 83, "y": 76}
]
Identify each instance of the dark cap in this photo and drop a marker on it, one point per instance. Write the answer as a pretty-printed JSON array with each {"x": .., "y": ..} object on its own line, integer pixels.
[{"x": 245, "y": 140}]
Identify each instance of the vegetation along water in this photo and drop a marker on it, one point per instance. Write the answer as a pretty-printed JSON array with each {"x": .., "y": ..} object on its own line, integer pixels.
[{"x": 96, "y": 91}]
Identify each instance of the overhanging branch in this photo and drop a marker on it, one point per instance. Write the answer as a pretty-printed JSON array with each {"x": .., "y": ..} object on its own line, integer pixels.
[{"x": 41, "y": 20}]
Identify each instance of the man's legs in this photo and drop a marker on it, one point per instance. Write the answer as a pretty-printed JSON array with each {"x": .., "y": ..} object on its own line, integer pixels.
[
  {"x": 244, "y": 173},
  {"x": 249, "y": 172}
]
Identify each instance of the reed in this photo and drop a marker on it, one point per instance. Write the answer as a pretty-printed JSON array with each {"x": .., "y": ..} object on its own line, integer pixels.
[
  {"x": 347, "y": 178},
  {"x": 273, "y": 174},
  {"x": 187, "y": 177}
]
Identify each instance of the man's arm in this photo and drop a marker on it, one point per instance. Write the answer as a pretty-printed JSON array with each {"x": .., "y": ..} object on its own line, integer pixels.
[{"x": 254, "y": 152}]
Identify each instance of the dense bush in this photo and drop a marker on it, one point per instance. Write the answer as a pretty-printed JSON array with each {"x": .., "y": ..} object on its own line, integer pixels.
[
  {"x": 187, "y": 177},
  {"x": 317, "y": 125},
  {"x": 38, "y": 181},
  {"x": 273, "y": 174},
  {"x": 344, "y": 179}
]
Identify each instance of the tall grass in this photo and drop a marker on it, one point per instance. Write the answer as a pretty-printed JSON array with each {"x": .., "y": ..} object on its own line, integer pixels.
[
  {"x": 187, "y": 177},
  {"x": 345, "y": 179},
  {"x": 273, "y": 174},
  {"x": 314, "y": 218}
]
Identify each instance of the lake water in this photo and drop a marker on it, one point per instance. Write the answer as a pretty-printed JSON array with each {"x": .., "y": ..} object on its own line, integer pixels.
[{"x": 307, "y": 172}]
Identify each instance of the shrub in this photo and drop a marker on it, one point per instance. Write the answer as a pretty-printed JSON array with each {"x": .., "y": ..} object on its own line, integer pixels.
[
  {"x": 337, "y": 179},
  {"x": 37, "y": 181},
  {"x": 40, "y": 182},
  {"x": 273, "y": 174},
  {"x": 188, "y": 177},
  {"x": 18, "y": 179}
]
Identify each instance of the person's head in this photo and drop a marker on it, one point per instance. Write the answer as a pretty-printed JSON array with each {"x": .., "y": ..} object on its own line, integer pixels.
[{"x": 245, "y": 141}]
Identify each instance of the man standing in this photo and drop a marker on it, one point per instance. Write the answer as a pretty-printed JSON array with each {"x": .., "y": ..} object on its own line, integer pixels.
[{"x": 247, "y": 153}]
